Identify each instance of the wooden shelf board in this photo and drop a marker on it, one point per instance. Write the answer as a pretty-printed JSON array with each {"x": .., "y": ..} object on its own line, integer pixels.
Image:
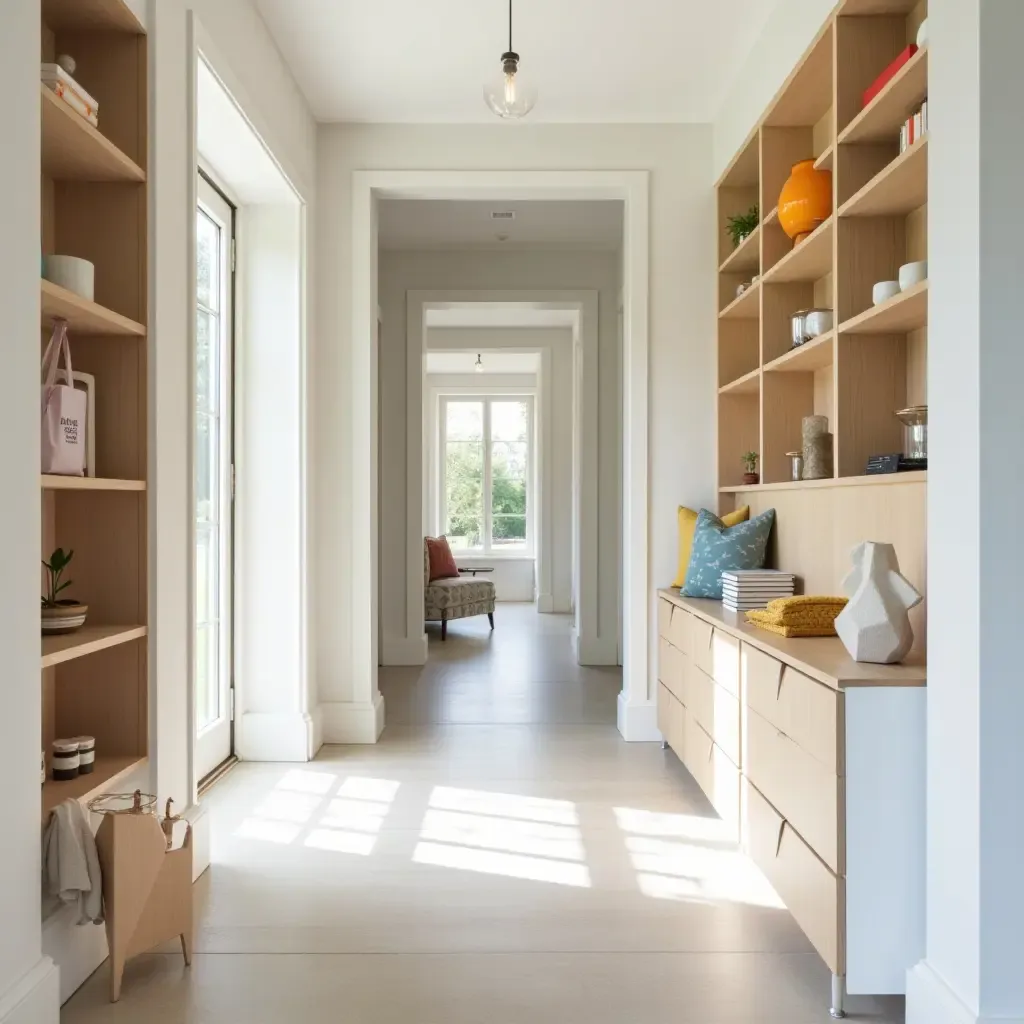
[
  {"x": 82, "y": 315},
  {"x": 882, "y": 118},
  {"x": 746, "y": 256},
  {"x": 809, "y": 261},
  {"x": 772, "y": 217},
  {"x": 107, "y": 773},
  {"x": 895, "y": 190},
  {"x": 745, "y": 169},
  {"x": 90, "y": 16},
  {"x": 748, "y": 384},
  {"x": 744, "y": 307},
  {"x": 806, "y": 95},
  {"x": 72, "y": 150},
  {"x": 88, "y": 640},
  {"x": 88, "y": 483},
  {"x": 878, "y": 480},
  {"x": 853, "y": 8},
  {"x": 905, "y": 312},
  {"x": 806, "y": 358},
  {"x": 826, "y": 159}
]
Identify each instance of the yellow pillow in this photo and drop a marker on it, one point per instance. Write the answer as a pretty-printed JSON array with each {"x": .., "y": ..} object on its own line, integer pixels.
[{"x": 687, "y": 524}]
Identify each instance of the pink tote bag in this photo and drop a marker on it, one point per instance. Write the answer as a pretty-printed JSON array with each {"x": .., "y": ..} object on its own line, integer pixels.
[{"x": 64, "y": 409}]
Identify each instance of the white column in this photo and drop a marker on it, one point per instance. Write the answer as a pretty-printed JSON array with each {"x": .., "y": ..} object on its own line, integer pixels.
[
  {"x": 28, "y": 981},
  {"x": 972, "y": 971}
]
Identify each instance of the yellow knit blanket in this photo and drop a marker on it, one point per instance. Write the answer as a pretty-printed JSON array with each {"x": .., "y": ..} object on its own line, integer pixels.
[{"x": 799, "y": 616}]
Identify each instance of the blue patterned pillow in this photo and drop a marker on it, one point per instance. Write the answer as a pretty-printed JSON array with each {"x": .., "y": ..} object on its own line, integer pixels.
[{"x": 718, "y": 548}]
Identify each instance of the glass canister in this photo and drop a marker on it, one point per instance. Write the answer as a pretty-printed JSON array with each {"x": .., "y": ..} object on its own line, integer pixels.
[
  {"x": 915, "y": 423},
  {"x": 796, "y": 461}
]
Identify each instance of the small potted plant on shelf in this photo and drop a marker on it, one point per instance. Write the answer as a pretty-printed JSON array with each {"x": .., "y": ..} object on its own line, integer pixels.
[
  {"x": 750, "y": 468},
  {"x": 60, "y": 615},
  {"x": 742, "y": 225}
]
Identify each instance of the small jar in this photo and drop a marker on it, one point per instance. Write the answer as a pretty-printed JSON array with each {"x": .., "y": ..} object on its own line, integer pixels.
[
  {"x": 796, "y": 461},
  {"x": 65, "y": 760},
  {"x": 86, "y": 754}
]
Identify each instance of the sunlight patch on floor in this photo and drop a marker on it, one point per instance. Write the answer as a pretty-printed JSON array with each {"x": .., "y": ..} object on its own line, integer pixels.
[
  {"x": 491, "y": 862},
  {"x": 504, "y": 805}
]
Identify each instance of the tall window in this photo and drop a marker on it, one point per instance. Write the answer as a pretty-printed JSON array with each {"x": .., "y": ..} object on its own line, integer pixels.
[
  {"x": 212, "y": 467},
  {"x": 485, "y": 465}
]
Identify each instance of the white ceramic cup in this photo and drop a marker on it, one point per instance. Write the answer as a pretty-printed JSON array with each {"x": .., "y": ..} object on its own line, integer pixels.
[
  {"x": 922, "y": 34},
  {"x": 883, "y": 291},
  {"x": 913, "y": 273},
  {"x": 818, "y": 322},
  {"x": 71, "y": 272}
]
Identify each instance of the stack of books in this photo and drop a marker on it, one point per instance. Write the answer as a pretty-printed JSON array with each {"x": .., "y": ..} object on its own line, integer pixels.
[
  {"x": 744, "y": 589},
  {"x": 914, "y": 128},
  {"x": 62, "y": 85}
]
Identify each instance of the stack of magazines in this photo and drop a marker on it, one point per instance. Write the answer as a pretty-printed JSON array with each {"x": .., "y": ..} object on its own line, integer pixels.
[{"x": 745, "y": 589}]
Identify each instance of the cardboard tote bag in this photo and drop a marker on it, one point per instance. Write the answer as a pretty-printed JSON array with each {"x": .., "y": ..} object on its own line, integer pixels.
[{"x": 63, "y": 442}]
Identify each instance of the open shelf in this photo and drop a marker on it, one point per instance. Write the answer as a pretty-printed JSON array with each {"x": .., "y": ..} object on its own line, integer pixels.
[
  {"x": 108, "y": 771},
  {"x": 745, "y": 306},
  {"x": 90, "y": 16},
  {"x": 882, "y": 118},
  {"x": 88, "y": 640},
  {"x": 806, "y": 358},
  {"x": 50, "y": 482},
  {"x": 809, "y": 261},
  {"x": 83, "y": 316},
  {"x": 897, "y": 189},
  {"x": 772, "y": 217},
  {"x": 748, "y": 384},
  {"x": 905, "y": 312},
  {"x": 876, "y": 480},
  {"x": 746, "y": 256},
  {"x": 865, "y": 7},
  {"x": 75, "y": 151},
  {"x": 826, "y": 159},
  {"x": 806, "y": 95}
]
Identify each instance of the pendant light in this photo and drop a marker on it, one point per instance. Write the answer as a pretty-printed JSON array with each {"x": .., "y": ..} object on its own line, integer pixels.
[
  {"x": 479, "y": 366},
  {"x": 508, "y": 95}
]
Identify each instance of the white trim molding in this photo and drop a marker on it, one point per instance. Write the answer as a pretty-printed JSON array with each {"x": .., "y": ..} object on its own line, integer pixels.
[
  {"x": 276, "y": 736},
  {"x": 35, "y": 997},
  {"x": 350, "y": 722},
  {"x": 637, "y": 721},
  {"x": 931, "y": 1001}
]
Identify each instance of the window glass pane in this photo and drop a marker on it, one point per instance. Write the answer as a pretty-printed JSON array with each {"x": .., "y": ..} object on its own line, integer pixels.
[
  {"x": 207, "y": 690},
  {"x": 207, "y": 573},
  {"x": 207, "y": 466},
  {"x": 509, "y": 532},
  {"x": 207, "y": 261},
  {"x": 207, "y": 362},
  {"x": 508, "y": 493},
  {"x": 464, "y": 421},
  {"x": 509, "y": 421},
  {"x": 464, "y": 493}
]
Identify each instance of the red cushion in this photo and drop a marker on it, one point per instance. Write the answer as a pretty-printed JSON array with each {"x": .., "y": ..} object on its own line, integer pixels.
[{"x": 442, "y": 561}]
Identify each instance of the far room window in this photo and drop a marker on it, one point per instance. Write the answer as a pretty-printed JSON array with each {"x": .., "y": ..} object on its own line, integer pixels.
[{"x": 486, "y": 474}]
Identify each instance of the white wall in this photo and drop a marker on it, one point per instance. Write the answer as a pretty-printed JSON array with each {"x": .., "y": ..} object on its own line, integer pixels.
[
  {"x": 24, "y": 975},
  {"x": 682, "y": 316}
]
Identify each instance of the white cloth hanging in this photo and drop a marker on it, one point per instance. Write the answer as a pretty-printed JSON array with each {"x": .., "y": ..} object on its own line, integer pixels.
[{"x": 71, "y": 865}]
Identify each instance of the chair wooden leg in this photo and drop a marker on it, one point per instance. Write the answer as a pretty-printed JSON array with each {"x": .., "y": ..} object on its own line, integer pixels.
[
  {"x": 444, "y": 629},
  {"x": 490, "y": 619}
]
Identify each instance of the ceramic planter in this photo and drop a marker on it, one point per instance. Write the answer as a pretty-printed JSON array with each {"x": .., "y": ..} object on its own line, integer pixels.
[
  {"x": 751, "y": 478},
  {"x": 65, "y": 618}
]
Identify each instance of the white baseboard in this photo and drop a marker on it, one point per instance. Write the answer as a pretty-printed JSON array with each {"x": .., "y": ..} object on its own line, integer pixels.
[
  {"x": 78, "y": 949},
  {"x": 347, "y": 722},
  {"x": 638, "y": 723},
  {"x": 931, "y": 1001},
  {"x": 592, "y": 650},
  {"x": 275, "y": 736},
  {"x": 35, "y": 997},
  {"x": 546, "y": 604},
  {"x": 405, "y": 650}
]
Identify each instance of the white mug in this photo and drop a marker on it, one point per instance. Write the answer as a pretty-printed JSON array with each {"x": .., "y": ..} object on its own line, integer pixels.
[{"x": 883, "y": 291}]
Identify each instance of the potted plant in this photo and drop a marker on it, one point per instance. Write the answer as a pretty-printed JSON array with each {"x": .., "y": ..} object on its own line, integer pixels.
[
  {"x": 740, "y": 226},
  {"x": 60, "y": 615},
  {"x": 750, "y": 468}
]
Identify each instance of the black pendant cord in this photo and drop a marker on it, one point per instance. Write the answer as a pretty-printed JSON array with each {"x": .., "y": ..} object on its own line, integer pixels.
[{"x": 509, "y": 26}]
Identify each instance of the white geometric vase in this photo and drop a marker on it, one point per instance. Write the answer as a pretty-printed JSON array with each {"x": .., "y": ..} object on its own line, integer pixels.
[{"x": 875, "y": 626}]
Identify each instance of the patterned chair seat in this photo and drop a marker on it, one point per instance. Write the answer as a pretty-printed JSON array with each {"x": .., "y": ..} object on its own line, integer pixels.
[{"x": 460, "y": 598}]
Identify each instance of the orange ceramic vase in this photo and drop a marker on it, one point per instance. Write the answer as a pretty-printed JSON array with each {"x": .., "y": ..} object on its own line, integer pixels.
[{"x": 806, "y": 200}]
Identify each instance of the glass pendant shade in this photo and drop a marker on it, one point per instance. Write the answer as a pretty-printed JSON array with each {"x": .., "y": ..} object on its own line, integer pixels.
[{"x": 508, "y": 94}]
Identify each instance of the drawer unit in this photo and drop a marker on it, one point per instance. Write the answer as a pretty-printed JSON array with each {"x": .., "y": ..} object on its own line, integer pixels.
[
  {"x": 803, "y": 789},
  {"x": 716, "y": 654},
  {"x": 717, "y": 711},
  {"x": 715, "y": 773},
  {"x": 671, "y": 721},
  {"x": 672, "y": 669},
  {"x": 808, "y": 712},
  {"x": 701, "y": 634},
  {"x": 812, "y": 893},
  {"x": 665, "y": 610},
  {"x": 680, "y": 631}
]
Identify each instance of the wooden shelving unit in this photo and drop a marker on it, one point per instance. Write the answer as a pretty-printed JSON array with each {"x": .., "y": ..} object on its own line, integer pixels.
[
  {"x": 95, "y": 681},
  {"x": 875, "y": 360}
]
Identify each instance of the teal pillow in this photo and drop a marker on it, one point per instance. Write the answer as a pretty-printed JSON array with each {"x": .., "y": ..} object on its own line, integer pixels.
[{"x": 718, "y": 548}]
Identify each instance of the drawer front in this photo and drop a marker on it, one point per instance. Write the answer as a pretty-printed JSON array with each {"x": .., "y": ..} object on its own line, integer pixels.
[
  {"x": 715, "y": 773},
  {"x": 808, "y": 712},
  {"x": 671, "y": 718},
  {"x": 717, "y": 711},
  {"x": 665, "y": 609},
  {"x": 672, "y": 669},
  {"x": 725, "y": 661},
  {"x": 701, "y": 635},
  {"x": 679, "y": 631},
  {"x": 813, "y": 894},
  {"x": 803, "y": 789}
]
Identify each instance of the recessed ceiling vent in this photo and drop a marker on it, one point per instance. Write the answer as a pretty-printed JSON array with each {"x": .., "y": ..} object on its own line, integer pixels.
[{"x": 503, "y": 215}]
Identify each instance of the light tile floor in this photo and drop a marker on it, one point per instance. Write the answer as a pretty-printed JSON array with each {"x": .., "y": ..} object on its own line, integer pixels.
[{"x": 500, "y": 857}]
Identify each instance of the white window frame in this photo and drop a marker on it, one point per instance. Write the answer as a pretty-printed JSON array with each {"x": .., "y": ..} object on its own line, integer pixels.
[{"x": 487, "y": 398}]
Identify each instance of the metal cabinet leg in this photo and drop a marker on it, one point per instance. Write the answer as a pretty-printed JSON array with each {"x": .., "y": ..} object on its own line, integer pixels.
[
  {"x": 664, "y": 744},
  {"x": 838, "y": 996}
]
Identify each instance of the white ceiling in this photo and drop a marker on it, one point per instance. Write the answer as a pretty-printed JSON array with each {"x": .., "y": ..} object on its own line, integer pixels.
[
  {"x": 438, "y": 223},
  {"x": 425, "y": 61},
  {"x": 494, "y": 362}
]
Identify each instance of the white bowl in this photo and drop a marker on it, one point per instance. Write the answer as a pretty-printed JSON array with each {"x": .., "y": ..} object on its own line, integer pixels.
[
  {"x": 922, "y": 34},
  {"x": 913, "y": 273},
  {"x": 883, "y": 291},
  {"x": 71, "y": 272},
  {"x": 818, "y": 322}
]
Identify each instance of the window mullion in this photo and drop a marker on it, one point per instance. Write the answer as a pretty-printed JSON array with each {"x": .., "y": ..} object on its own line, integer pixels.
[{"x": 488, "y": 511}]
